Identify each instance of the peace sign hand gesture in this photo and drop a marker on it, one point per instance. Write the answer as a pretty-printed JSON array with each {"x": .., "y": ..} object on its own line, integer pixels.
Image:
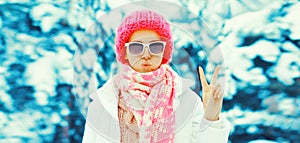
[{"x": 212, "y": 95}]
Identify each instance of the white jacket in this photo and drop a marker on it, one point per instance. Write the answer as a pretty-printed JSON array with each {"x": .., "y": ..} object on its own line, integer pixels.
[{"x": 102, "y": 125}]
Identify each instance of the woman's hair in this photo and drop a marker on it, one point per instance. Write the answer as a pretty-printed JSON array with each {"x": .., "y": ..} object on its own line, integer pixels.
[{"x": 143, "y": 20}]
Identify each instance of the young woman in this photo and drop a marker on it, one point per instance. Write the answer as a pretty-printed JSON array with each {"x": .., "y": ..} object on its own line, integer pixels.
[{"x": 147, "y": 101}]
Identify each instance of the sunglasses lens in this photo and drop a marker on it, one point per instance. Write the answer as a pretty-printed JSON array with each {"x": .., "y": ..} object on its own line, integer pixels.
[
  {"x": 156, "y": 48},
  {"x": 135, "y": 48}
]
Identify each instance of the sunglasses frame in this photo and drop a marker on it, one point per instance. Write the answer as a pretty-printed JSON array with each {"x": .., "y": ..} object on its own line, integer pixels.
[{"x": 144, "y": 47}]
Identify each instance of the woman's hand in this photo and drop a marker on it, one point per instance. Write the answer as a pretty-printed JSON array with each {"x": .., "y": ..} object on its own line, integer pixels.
[{"x": 212, "y": 95}]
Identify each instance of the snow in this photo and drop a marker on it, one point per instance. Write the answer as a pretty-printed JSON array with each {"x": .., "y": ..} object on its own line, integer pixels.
[
  {"x": 262, "y": 141},
  {"x": 252, "y": 129},
  {"x": 0, "y": 23},
  {"x": 41, "y": 97},
  {"x": 84, "y": 21},
  {"x": 5, "y": 98},
  {"x": 19, "y": 127},
  {"x": 274, "y": 30},
  {"x": 292, "y": 19},
  {"x": 240, "y": 117},
  {"x": 287, "y": 68},
  {"x": 268, "y": 50},
  {"x": 287, "y": 107},
  {"x": 247, "y": 25},
  {"x": 236, "y": 8},
  {"x": 41, "y": 74},
  {"x": 99, "y": 70},
  {"x": 66, "y": 40},
  {"x": 195, "y": 6},
  {"x": 290, "y": 47},
  {"x": 88, "y": 58},
  {"x": 114, "y": 4},
  {"x": 48, "y": 15},
  {"x": 65, "y": 111}
]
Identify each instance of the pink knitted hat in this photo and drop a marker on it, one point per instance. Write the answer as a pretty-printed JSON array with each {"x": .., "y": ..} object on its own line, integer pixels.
[{"x": 143, "y": 19}]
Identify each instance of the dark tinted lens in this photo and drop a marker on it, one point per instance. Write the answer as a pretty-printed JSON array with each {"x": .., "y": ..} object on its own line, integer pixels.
[
  {"x": 135, "y": 48},
  {"x": 156, "y": 48}
]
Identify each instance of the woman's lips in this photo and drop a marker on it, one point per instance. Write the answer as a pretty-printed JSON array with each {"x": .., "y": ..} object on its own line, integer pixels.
[{"x": 145, "y": 64}]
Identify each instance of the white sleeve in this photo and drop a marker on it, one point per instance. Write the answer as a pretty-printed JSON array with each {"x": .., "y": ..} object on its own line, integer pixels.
[
  {"x": 89, "y": 135},
  {"x": 209, "y": 131}
]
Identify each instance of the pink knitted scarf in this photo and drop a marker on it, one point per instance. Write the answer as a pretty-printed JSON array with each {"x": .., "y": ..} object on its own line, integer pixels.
[{"x": 149, "y": 96}]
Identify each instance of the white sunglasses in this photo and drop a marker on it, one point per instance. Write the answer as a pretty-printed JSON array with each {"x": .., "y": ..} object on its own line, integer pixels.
[{"x": 138, "y": 48}]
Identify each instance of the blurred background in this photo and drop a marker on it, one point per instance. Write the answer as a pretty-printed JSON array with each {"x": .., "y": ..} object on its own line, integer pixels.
[{"x": 54, "y": 53}]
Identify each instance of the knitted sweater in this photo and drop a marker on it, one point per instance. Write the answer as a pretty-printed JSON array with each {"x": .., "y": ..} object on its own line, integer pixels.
[{"x": 128, "y": 124}]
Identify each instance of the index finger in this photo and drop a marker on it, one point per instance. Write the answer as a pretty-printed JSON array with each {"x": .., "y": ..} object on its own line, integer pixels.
[
  {"x": 202, "y": 76},
  {"x": 215, "y": 76}
]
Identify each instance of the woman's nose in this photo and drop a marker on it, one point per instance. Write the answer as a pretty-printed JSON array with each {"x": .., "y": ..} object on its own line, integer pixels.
[{"x": 146, "y": 54}]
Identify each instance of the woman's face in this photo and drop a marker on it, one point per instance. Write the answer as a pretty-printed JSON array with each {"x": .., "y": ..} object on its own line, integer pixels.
[{"x": 146, "y": 61}]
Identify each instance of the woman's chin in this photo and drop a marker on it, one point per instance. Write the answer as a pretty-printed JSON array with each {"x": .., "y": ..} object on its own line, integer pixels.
[{"x": 144, "y": 69}]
